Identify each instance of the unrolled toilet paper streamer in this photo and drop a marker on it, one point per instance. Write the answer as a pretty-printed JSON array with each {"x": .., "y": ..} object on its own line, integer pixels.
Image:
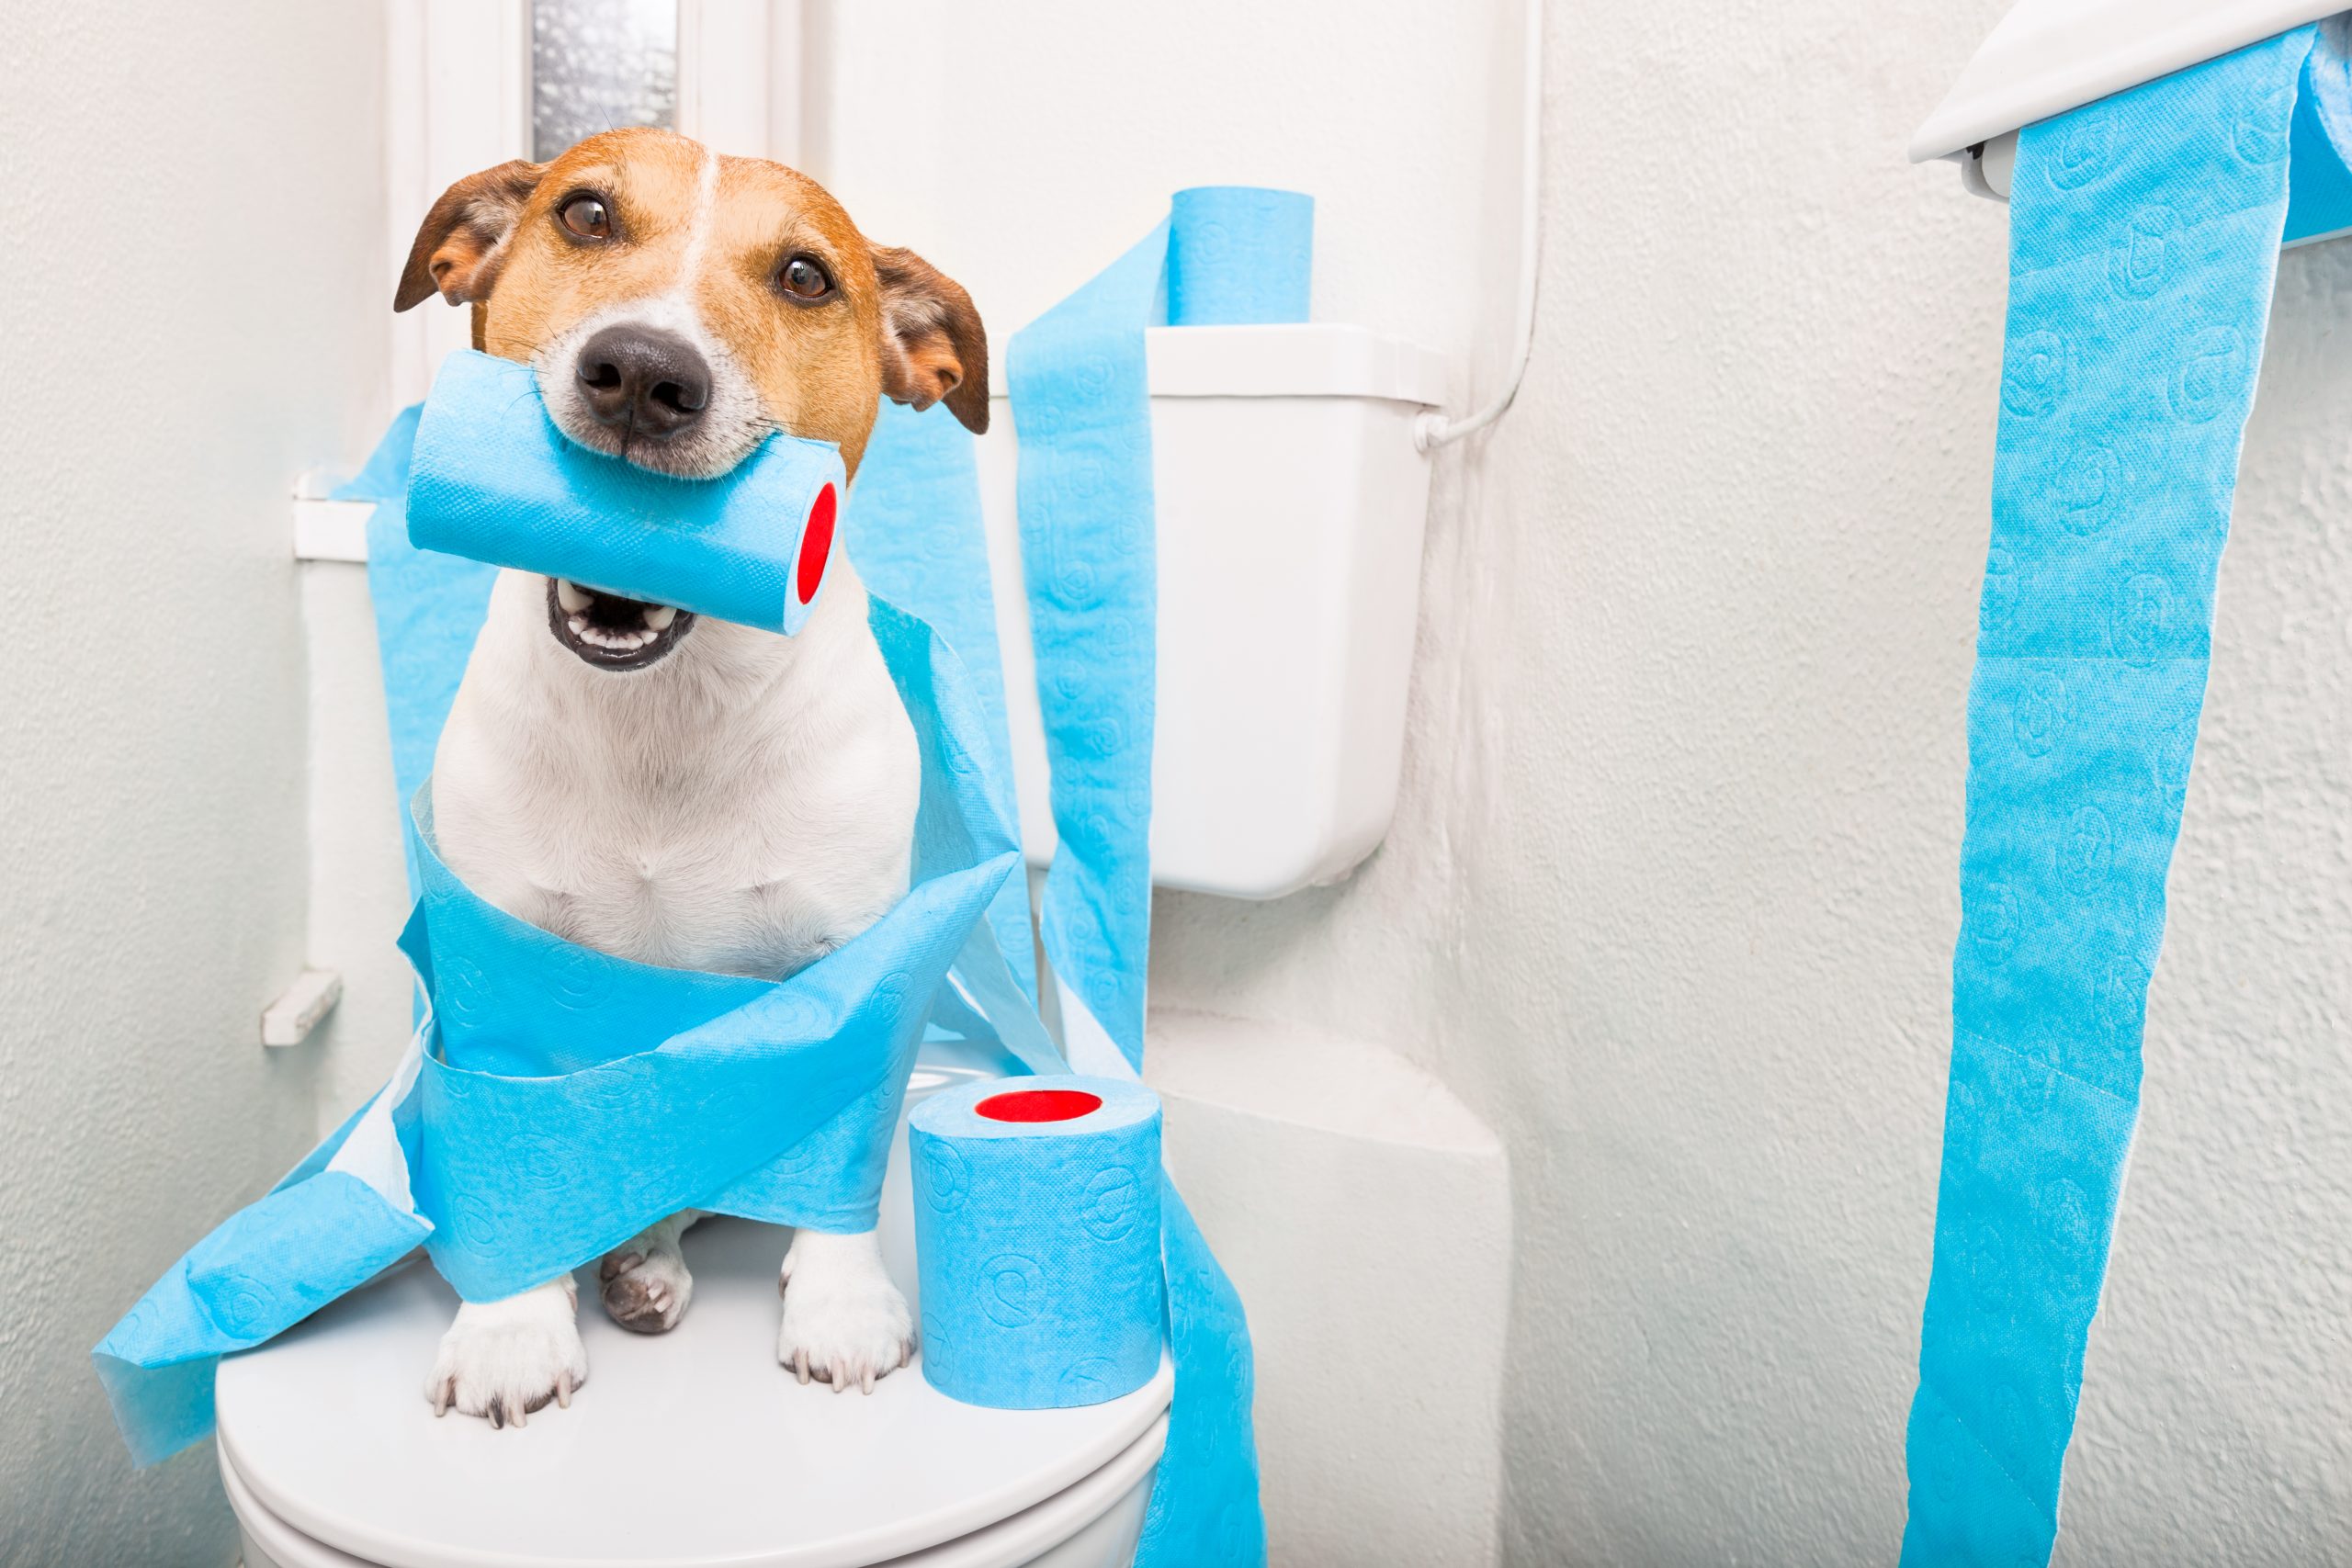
[
  {"x": 1037, "y": 1240},
  {"x": 494, "y": 480},
  {"x": 914, "y": 529},
  {"x": 1082, "y": 403},
  {"x": 557, "y": 1100},
  {"x": 2144, "y": 236}
]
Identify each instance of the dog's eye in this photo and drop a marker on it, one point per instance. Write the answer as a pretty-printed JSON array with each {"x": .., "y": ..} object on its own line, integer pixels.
[
  {"x": 803, "y": 279},
  {"x": 586, "y": 217}
]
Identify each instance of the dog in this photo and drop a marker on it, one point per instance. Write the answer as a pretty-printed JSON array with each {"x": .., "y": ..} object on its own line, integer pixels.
[{"x": 672, "y": 790}]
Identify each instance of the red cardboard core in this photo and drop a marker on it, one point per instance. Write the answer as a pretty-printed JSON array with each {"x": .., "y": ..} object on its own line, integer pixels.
[
  {"x": 1039, "y": 1105},
  {"x": 816, "y": 544}
]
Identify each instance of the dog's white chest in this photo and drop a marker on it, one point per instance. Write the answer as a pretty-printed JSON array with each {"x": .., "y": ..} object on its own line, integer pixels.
[
  {"x": 746, "y": 813},
  {"x": 722, "y": 894}
]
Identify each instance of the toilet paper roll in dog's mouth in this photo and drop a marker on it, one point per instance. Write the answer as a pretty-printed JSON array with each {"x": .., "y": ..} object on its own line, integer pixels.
[{"x": 630, "y": 554}]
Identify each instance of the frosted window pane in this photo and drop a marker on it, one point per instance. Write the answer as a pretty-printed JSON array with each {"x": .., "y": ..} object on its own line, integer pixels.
[{"x": 600, "y": 64}]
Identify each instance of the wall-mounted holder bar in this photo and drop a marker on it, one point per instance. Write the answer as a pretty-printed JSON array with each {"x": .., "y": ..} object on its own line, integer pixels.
[{"x": 300, "y": 1007}]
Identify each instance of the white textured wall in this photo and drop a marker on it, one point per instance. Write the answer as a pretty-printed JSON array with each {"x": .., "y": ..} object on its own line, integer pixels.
[
  {"x": 193, "y": 297},
  {"x": 1671, "y": 896},
  {"x": 1022, "y": 147}
]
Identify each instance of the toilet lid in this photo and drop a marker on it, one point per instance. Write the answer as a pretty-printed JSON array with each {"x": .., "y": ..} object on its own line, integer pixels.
[{"x": 689, "y": 1447}]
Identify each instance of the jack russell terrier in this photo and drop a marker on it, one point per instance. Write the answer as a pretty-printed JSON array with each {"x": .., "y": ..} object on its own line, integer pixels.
[{"x": 680, "y": 792}]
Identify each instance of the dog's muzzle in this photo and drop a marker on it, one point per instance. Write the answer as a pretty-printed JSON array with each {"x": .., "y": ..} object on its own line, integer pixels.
[
  {"x": 608, "y": 632},
  {"x": 647, "y": 384}
]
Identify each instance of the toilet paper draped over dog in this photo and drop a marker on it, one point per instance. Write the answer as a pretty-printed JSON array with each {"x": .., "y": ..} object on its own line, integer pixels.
[
  {"x": 829, "y": 1044},
  {"x": 557, "y": 1100},
  {"x": 559, "y": 1135}
]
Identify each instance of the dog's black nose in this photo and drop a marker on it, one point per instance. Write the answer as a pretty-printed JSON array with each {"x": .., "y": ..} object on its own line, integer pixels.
[{"x": 651, "y": 383}]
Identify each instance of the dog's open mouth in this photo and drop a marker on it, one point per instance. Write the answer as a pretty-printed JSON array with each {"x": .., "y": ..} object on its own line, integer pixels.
[{"x": 610, "y": 632}]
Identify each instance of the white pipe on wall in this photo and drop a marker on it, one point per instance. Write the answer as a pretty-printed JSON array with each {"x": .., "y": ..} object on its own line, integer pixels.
[{"x": 1434, "y": 430}]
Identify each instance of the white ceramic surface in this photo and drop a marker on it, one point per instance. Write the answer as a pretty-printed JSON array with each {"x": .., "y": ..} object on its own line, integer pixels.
[
  {"x": 691, "y": 1447},
  {"x": 1093, "y": 1524},
  {"x": 1289, "y": 507}
]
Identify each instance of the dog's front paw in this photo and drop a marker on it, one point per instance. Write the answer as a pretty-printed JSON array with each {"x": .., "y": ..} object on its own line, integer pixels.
[
  {"x": 645, "y": 1285},
  {"x": 504, "y": 1359},
  {"x": 845, "y": 1322}
]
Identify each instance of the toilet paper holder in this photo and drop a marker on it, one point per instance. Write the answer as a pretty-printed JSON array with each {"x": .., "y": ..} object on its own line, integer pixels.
[{"x": 2048, "y": 56}]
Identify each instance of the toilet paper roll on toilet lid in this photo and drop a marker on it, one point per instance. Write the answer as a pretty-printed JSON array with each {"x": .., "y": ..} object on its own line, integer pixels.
[
  {"x": 494, "y": 481},
  {"x": 1037, "y": 1240}
]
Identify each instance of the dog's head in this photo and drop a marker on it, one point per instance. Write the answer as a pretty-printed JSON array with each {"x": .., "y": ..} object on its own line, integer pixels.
[{"x": 677, "y": 306}]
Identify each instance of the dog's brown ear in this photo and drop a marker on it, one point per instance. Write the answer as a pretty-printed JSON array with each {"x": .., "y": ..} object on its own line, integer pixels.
[
  {"x": 934, "y": 347},
  {"x": 458, "y": 245}
]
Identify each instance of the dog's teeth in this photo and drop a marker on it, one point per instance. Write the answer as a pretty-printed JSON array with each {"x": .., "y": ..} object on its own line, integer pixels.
[
  {"x": 571, "y": 597},
  {"x": 659, "y": 616},
  {"x": 607, "y": 637}
]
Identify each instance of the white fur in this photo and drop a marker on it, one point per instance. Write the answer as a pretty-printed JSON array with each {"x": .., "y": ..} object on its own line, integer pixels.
[
  {"x": 503, "y": 1359},
  {"x": 746, "y": 804},
  {"x": 698, "y": 227},
  {"x": 845, "y": 1322}
]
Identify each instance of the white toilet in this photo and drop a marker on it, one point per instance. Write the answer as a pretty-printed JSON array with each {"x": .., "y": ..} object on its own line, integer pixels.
[
  {"x": 693, "y": 1448},
  {"x": 1280, "y": 701}
]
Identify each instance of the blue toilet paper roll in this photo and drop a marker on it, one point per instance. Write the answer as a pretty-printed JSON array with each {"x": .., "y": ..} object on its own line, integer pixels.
[
  {"x": 1037, "y": 1240},
  {"x": 493, "y": 479},
  {"x": 1239, "y": 255}
]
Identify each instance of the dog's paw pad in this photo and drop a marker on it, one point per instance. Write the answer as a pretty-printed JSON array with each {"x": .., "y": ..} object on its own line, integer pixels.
[
  {"x": 650, "y": 1293},
  {"x": 503, "y": 1366},
  {"x": 846, "y": 1331}
]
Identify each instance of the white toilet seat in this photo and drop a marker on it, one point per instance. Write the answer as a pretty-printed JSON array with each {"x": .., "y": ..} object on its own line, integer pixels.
[
  {"x": 693, "y": 1448},
  {"x": 1093, "y": 1522}
]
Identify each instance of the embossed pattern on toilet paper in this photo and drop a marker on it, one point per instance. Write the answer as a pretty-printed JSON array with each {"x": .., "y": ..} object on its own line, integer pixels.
[
  {"x": 1038, "y": 1246},
  {"x": 2144, "y": 237},
  {"x": 493, "y": 479}
]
